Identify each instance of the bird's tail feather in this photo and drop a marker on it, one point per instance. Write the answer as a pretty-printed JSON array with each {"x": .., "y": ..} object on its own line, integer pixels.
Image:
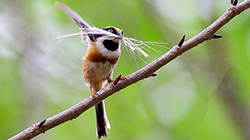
[{"x": 102, "y": 122}]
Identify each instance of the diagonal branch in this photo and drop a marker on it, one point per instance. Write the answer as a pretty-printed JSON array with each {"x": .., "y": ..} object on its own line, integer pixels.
[{"x": 76, "y": 110}]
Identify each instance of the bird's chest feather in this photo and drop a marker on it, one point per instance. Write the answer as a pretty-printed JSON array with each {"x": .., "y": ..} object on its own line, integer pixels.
[
  {"x": 96, "y": 67},
  {"x": 94, "y": 55}
]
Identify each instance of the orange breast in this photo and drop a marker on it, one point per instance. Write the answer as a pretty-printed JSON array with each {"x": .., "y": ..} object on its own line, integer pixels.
[{"x": 94, "y": 55}]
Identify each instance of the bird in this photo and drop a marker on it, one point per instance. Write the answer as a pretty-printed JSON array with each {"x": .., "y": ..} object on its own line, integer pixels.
[{"x": 103, "y": 53}]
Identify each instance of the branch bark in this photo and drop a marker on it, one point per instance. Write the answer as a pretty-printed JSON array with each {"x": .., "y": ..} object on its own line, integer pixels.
[{"x": 76, "y": 110}]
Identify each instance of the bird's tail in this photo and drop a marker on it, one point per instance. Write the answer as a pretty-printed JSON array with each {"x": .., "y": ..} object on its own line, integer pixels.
[
  {"x": 72, "y": 14},
  {"x": 102, "y": 122}
]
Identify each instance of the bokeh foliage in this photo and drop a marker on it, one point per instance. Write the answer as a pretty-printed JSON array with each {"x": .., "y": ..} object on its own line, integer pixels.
[{"x": 204, "y": 94}]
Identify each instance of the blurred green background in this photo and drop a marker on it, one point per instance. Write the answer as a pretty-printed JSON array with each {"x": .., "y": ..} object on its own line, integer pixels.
[{"x": 204, "y": 94}]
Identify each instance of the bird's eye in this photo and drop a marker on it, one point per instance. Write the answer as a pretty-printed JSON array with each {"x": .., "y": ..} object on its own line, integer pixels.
[{"x": 110, "y": 30}]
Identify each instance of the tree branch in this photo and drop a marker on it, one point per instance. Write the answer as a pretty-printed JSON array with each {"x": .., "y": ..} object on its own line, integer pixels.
[{"x": 76, "y": 110}]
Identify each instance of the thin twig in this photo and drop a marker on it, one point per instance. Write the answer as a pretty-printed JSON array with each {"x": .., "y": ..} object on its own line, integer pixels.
[
  {"x": 216, "y": 36},
  {"x": 76, "y": 110},
  {"x": 181, "y": 41},
  {"x": 41, "y": 123},
  {"x": 234, "y": 2}
]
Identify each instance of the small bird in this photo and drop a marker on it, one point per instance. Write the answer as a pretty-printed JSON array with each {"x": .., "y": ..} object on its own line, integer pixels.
[{"x": 103, "y": 53}]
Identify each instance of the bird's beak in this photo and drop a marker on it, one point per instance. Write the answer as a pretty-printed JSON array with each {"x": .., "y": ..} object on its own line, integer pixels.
[
  {"x": 118, "y": 38},
  {"x": 120, "y": 35}
]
